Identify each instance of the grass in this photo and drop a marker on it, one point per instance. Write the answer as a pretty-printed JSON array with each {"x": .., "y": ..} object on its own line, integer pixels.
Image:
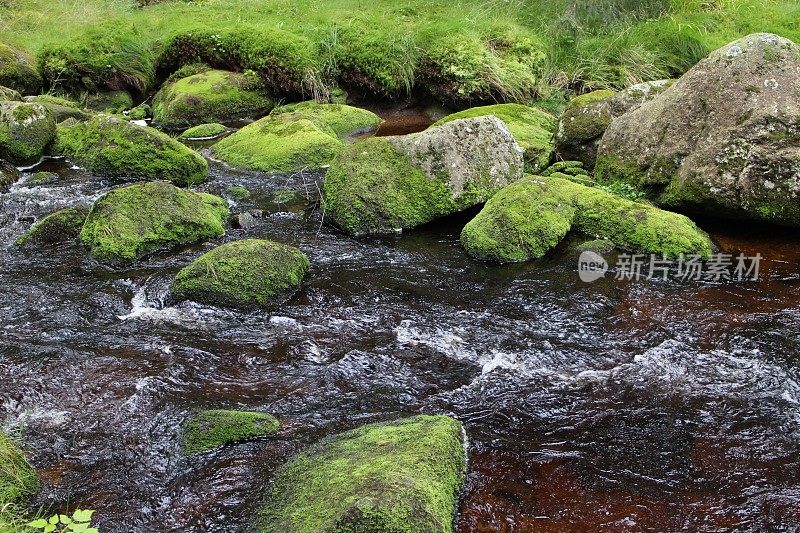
[
  {"x": 463, "y": 52},
  {"x": 18, "y": 481}
]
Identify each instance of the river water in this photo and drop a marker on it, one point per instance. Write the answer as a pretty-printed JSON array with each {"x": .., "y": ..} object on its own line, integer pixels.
[{"x": 609, "y": 406}]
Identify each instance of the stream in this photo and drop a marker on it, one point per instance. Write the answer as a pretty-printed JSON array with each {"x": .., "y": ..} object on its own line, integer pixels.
[{"x": 617, "y": 405}]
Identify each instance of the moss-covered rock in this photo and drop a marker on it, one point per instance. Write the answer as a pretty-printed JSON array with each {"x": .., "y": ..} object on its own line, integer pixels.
[
  {"x": 140, "y": 112},
  {"x": 211, "y": 96},
  {"x": 25, "y": 131},
  {"x": 18, "y": 71},
  {"x": 18, "y": 479},
  {"x": 108, "y": 146},
  {"x": 584, "y": 120},
  {"x": 8, "y": 175},
  {"x": 42, "y": 178},
  {"x": 204, "y": 131},
  {"x": 392, "y": 477},
  {"x": 131, "y": 222},
  {"x": 343, "y": 120},
  {"x": 247, "y": 273},
  {"x": 530, "y": 217},
  {"x": 388, "y": 184},
  {"x": 237, "y": 193},
  {"x": 111, "y": 102},
  {"x": 723, "y": 140},
  {"x": 61, "y": 108},
  {"x": 62, "y": 225},
  {"x": 212, "y": 428},
  {"x": 7, "y": 93},
  {"x": 532, "y": 128}
]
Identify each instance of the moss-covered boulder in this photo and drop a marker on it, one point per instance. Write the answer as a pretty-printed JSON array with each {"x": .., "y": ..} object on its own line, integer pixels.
[
  {"x": 111, "y": 102},
  {"x": 530, "y": 217},
  {"x": 7, "y": 93},
  {"x": 18, "y": 479},
  {"x": 140, "y": 112},
  {"x": 390, "y": 477},
  {"x": 211, "y": 96},
  {"x": 306, "y": 135},
  {"x": 61, "y": 108},
  {"x": 247, "y": 273},
  {"x": 108, "y": 146},
  {"x": 131, "y": 222},
  {"x": 25, "y": 131},
  {"x": 212, "y": 428},
  {"x": 204, "y": 131},
  {"x": 388, "y": 184},
  {"x": 532, "y": 128},
  {"x": 63, "y": 225},
  {"x": 723, "y": 140},
  {"x": 42, "y": 178},
  {"x": 18, "y": 71}
]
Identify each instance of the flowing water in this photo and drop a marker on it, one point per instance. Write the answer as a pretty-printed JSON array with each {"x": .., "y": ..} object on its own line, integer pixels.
[{"x": 605, "y": 406}]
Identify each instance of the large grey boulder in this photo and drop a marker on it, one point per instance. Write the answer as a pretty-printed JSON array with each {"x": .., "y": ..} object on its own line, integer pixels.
[
  {"x": 388, "y": 184},
  {"x": 723, "y": 140}
]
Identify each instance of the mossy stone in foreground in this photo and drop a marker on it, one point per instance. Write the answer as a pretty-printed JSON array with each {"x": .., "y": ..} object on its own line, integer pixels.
[
  {"x": 108, "y": 146},
  {"x": 17, "y": 70},
  {"x": 59, "y": 226},
  {"x": 530, "y": 217},
  {"x": 246, "y": 273},
  {"x": 25, "y": 130},
  {"x": 394, "y": 477},
  {"x": 532, "y": 129},
  {"x": 204, "y": 131},
  {"x": 212, "y": 428},
  {"x": 18, "y": 479},
  {"x": 130, "y": 222},
  {"x": 211, "y": 96},
  {"x": 61, "y": 108}
]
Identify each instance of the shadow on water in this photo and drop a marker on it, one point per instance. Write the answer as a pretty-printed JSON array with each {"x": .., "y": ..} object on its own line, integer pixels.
[{"x": 613, "y": 405}]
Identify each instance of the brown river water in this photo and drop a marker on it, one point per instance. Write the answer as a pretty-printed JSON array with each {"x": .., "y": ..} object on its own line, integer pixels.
[{"x": 634, "y": 405}]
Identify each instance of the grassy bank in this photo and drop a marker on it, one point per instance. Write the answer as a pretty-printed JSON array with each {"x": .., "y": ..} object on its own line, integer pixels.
[
  {"x": 462, "y": 52},
  {"x": 17, "y": 482}
]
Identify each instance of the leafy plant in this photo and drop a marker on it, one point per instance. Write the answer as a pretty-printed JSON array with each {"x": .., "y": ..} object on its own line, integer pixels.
[{"x": 79, "y": 522}]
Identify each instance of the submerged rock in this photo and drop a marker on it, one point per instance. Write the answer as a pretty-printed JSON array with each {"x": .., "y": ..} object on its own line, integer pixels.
[
  {"x": 111, "y": 147},
  {"x": 131, "y": 222},
  {"x": 17, "y": 70},
  {"x": 210, "y": 96},
  {"x": 246, "y": 273},
  {"x": 299, "y": 136},
  {"x": 59, "y": 226},
  {"x": 392, "y": 477},
  {"x": 25, "y": 131},
  {"x": 723, "y": 140},
  {"x": 388, "y": 184},
  {"x": 61, "y": 109},
  {"x": 204, "y": 131},
  {"x": 532, "y": 129},
  {"x": 211, "y": 428},
  {"x": 530, "y": 217}
]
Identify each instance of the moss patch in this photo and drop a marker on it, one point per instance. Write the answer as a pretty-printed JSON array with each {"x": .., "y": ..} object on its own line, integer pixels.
[
  {"x": 60, "y": 226},
  {"x": 532, "y": 128},
  {"x": 130, "y": 222},
  {"x": 246, "y": 273},
  {"x": 212, "y": 428},
  {"x": 343, "y": 120},
  {"x": 210, "y": 96},
  {"x": 112, "y": 102},
  {"x": 17, "y": 70},
  {"x": 204, "y": 131},
  {"x": 528, "y": 218},
  {"x": 112, "y": 147},
  {"x": 584, "y": 121},
  {"x": 18, "y": 479},
  {"x": 7, "y": 93},
  {"x": 61, "y": 108},
  {"x": 400, "y": 476},
  {"x": 25, "y": 130}
]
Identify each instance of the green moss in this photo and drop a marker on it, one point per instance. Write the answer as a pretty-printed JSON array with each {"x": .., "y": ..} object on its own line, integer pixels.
[
  {"x": 42, "y": 178},
  {"x": 140, "y": 112},
  {"x": 274, "y": 144},
  {"x": 210, "y": 96},
  {"x": 237, "y": 193},
  {"x": 590, "y": 98},
  {"x": 18, "y": 479},
  {"x": 529, "y": 217},
  {"x": 6, "y": 93},
  {"x": 111, "y": 102},
  {"x": 25, "y": 131},
  {"x": 584, "y": 121},
  {"x": 532, "y": 128},
  {"x": 133, "y": 221},
  {"x": 204, "y": 131},
  {"x": 17, "y": 70},
  {"x": 246, "y": 273},
  {"x": 394, "y": 477},
  {"x": 60, "y": 226},
  {"x": 600, "y": 246},
  {"x": 372, "y": 189},
  {"x": 112, "y": 147},
  {"x": 61, "y": 108},
  {"x": 209, "y": 429},
  {"x": 343, "y": 120}
]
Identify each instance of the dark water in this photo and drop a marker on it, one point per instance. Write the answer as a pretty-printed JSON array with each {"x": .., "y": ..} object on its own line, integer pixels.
[{"x": 610, "y": 406}]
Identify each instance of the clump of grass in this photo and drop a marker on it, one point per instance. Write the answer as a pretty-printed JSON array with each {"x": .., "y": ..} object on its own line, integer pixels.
[{"x": 18, "y": 482}]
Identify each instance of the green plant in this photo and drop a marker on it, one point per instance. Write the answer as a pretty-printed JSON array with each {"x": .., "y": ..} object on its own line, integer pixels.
[{"x": 79, "y": 522}]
